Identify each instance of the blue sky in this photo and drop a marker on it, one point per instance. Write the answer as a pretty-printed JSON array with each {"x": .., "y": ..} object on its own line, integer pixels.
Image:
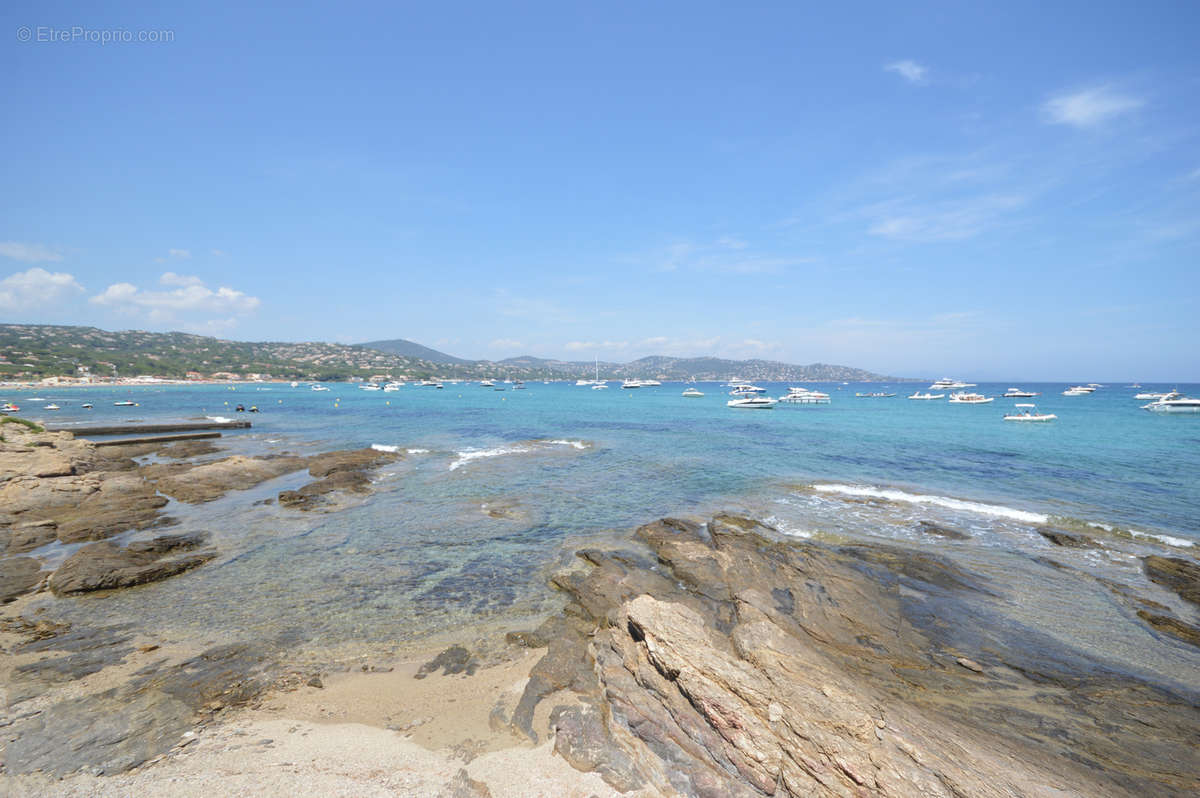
[{"x": 923, "y": 188}]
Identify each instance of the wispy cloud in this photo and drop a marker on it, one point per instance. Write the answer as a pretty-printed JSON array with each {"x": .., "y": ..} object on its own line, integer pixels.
[
  {"x": 36, "y": 288},
  {"x": 219, "y": 253},
  {"x": 30, "y": 253},
  {"x": 909, "y": 70},
  {"x": 179, "y": 253},
  {"x": 1089, "y": 107},
  {"x": 171, "y": 278},
  {"x": 942, "y": 220},
  {"x": 725, "y": 255}
]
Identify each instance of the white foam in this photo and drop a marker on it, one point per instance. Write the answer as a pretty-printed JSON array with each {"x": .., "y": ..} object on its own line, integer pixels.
[
  {"x": 1167, "y": 539},
  {"x": 418, "y": 451},
  {"x": 891, "y": 494},
  {"x": 574, "y": 444},
  {"x": 469, "y": 455},
  {"x": 380, "y": 447},
  {"x": 220, "y": 419},
  {"x": 788, "y": 529}
]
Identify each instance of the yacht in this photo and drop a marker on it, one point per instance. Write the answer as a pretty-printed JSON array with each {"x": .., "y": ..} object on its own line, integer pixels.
[
  {"x": 487, "y": 384},
  {"x": 927, "y": 395},
  {"x": 1017, "y": 393},
  {"x": 1078, "y": 390},
  {"x": 804, "y": 396},
  {"x": 52, "y": 406},
  {"x": 631, "y": 384},
  {"x": 1174, "y": 402},
  {"x": 369, "y": 386},
  {"x": 518, "y": 386},
  {"x": 947, "y": 384},
  {"x": 753, "y": 403},
  {"x": 319, "y": 387},
  {"x": 600, "y": 386},
  {"x": 970, "y": 399},
  {"x": 746, "y": 389},
  {"x": 650, "y": 383},
  {"x": 392, "y": 387},
  {"x": 692, "y": 393},
  {"x": 1152, "y": 395},
  {"x": 875, "y": 395},
  {"x": 1028, "y": 412}
]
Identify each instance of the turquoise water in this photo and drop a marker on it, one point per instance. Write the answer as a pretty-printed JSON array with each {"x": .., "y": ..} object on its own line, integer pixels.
[
  {"x": 496, "y": 489},
  {"x": 651, "y": 451}
]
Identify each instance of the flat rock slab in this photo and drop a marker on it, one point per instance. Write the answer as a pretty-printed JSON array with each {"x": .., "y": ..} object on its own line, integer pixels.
[
  {"x": 18, "y": 576},
  {"x": 106, "y": 566},
  {"x": 204, "y": 483}
]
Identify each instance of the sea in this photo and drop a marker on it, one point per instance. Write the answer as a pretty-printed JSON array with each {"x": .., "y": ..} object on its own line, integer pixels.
[{"x": 495, "y": 490}]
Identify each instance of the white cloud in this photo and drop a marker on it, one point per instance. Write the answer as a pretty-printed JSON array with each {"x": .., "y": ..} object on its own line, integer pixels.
[
  {"x": 171, "y": 278},
  {"x": 1089, "y": 107},
  {"x": 909, "y": 70},
  {"x": 219, "y": 253},
  {"x": 179, "y": 253},
  {"x": 190, "y": 296},
  {"x": 30, "y": 253},
  {"x": 35, "y": 287}
]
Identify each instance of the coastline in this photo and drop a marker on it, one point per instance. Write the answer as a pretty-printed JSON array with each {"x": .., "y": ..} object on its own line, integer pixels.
[{"x": 529, "y": 702}]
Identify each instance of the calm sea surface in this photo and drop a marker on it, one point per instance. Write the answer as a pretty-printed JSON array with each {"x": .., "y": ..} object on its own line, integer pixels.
[{"x": 497, "y": 488}]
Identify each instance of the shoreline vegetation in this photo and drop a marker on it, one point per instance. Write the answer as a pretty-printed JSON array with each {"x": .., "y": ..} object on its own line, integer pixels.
[
  {"x": 705, "y": 657},
  {"x": 30, "y": 353}
]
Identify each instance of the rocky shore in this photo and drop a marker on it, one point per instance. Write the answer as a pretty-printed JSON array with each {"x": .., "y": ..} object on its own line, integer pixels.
[{"x": 697, "y": 658}]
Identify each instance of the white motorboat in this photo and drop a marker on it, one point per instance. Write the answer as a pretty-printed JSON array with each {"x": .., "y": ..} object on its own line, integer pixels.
[
  {"x": 52, "y": 406},
  {"x": 1017, "y": 393},
  {"x": 927, "y": 395},
  {"x": 127, "y": 403},
  {"x": 1028, "y": 412},
  {"x": 600, "y": 386},
  {"x": 1152, "y": 395},
  {"x": 392, "y": 387},
  {"x": 947, "y": 384},
  {"x": 753, "y": 403},
  {"x": 1077, "y": 392},
  {"x": 487, "y": 384},
  {"x": 369, "y": 386},
  {"x": 1174, "y": 402},
  {"x": 874, "y": 395},
  {"x": 970, "y": 399},
  {"x": 805, "y": 396},
  {"x": 746, "y": 389},
  {"x": 319, "y": 387},
  {"x": 692, "y": 393},
  {"x": 9, "y": 407},
  {"x": 650, "y": 383},
  {"x": 631, "y": 384},
  {"x": 86, "y": 405},
  {"x": 295, "y": 385}
]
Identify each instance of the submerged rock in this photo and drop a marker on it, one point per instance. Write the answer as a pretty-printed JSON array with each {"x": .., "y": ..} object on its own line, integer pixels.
[
  {"x": 1072, "y": 540},
  {"x": 105, "y": 566},
  {"x": 455, "y": 659},
  {"x": 336, "y": 472},
  {"x": 938, "y": 530}
]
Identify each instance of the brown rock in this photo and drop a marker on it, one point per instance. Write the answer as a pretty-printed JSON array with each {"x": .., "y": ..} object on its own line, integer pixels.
[
  {"x": 204, "y": 483},
  {"x": 18, "y": 576},
  {"x": 1070, "y": 539},
  {"x": 104, "y": 566},
  {"x": 322, "y": 465},
  {"x": 1175, "y": 573}
]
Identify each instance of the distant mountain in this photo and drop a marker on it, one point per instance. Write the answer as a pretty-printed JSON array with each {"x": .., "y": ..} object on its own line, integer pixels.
[
  {"x": 404, "y": 348},
  {"x": 34, "y": 351}
]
